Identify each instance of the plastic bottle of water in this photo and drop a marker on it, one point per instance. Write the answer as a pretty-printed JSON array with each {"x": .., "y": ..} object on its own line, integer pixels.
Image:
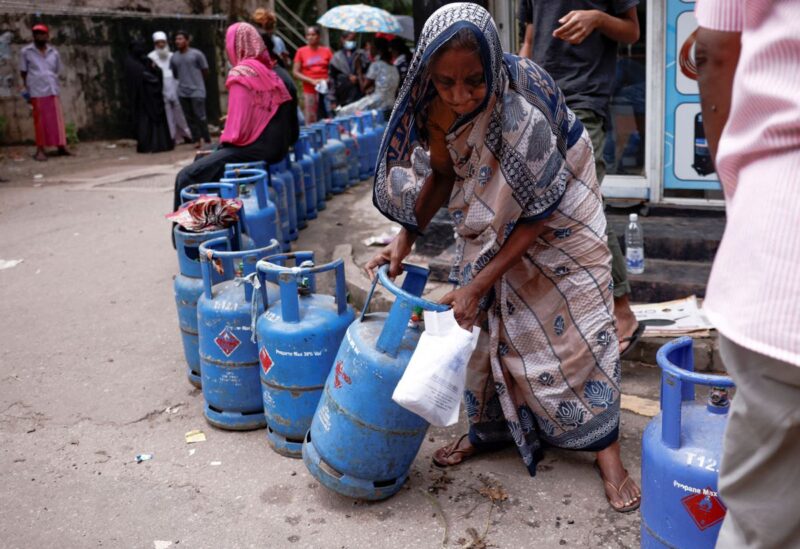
[{"x": 634, "y": 246}]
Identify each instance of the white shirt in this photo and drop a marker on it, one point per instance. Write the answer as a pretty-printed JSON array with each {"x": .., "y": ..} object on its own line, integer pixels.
[{"x": 170, "y": 89}]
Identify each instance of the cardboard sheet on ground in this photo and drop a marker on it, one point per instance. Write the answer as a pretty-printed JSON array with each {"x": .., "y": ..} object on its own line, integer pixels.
[
  {"x": 673, "y": 318},
  {"x": 195, "y": 436}
]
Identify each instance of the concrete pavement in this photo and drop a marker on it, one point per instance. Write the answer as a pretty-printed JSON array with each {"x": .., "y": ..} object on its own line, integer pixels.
[{"x": 92, "y": 374}]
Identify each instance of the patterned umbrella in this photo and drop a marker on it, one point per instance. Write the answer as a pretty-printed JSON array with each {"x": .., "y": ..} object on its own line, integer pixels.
[{"x": 360, "y": 18}]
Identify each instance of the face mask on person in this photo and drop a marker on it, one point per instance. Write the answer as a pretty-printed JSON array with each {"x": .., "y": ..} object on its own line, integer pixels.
[
  {"x": 350, "y": 45},
  {"x": 162, "y": 53}
]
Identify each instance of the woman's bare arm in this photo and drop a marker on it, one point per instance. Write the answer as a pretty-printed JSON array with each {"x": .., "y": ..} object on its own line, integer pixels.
[
  {"x": 300, "y": 76},
  {"x": 717, "y": 55}
]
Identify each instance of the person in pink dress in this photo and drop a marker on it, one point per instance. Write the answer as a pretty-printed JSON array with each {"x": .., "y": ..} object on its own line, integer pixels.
[{"x": 262, "y": 111}]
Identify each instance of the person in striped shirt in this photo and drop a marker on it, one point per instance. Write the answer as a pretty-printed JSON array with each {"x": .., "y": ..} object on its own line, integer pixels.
[{"x": 748, "y": 61}]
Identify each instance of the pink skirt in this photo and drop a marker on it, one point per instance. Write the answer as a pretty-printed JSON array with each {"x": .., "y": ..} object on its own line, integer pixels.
[{"x": 48, "y": 122}]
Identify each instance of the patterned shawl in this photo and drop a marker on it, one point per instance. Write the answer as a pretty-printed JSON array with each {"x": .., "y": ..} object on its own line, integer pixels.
[{"x": 509, "y": 154}]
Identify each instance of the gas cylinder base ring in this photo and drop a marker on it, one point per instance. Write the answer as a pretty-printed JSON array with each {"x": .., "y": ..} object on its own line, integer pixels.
[
  {"x": 195, "y": 379},
  {"x": 234, "y": 421},
  {"x": 287, "y": 447},
  {"x": 346, "y": 485}
]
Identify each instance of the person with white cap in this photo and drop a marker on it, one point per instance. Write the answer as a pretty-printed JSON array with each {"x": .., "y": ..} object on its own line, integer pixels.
[{"x": 160, "y": 56}]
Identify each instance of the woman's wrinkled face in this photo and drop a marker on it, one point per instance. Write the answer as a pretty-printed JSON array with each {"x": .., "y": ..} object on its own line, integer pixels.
[{"x": 458, "y": 77}]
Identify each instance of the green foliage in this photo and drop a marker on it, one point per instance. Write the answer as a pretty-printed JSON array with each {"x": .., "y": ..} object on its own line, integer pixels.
[{"x": 72, "y": 133}]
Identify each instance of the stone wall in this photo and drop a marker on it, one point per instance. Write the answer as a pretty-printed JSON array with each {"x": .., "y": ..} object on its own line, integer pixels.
[
  {"x": 92, "y": 46},
  {"x": 159, "y": 7}
]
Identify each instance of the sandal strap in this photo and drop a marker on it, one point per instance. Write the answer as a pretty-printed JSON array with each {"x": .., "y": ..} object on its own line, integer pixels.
[{"x": 453, "y": 448}]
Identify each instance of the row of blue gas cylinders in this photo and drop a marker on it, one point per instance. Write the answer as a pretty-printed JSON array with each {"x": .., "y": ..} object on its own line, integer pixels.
[
  {"x": 276, "y": 353},
  {"x": 278, "y": 200},
  {"x": 328, "y": 158}
]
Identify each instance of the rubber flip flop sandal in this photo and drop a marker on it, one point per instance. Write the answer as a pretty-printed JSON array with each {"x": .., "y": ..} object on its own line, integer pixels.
[
  {"x": 632, "y": 339},
  {"x": 453, "y": 449},
  {"x": 626, "y": 508}
]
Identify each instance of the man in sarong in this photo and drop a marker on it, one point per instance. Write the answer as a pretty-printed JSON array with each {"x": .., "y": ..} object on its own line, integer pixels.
[{"x": 39, "y": 65}]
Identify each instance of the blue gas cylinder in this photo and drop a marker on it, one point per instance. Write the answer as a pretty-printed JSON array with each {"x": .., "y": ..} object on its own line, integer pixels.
[
  {"x": 302, "y": 155},
  {"x": 298, "y": 339},
  {"x": 277, "y": 182},
  {"x": 681, "y": 451},
  {"x": 272, "y": 193},
  {"x": 321, "y": 130},
  {"x": 368, "y": 145},
  {"x": 255, "y": 165},
  {"x": 340, "y": 169},
  {"x": 362, "y": 146},
  {"x": 315, "y": 149},
  {"x": 266, "y": 218},
  {"x": 361, "y": 444},
  {"x": 223, "y": 190},
  {"x": 299, "y": 190},
  {"x": 379, "y": 122},
  {"x": 260, "y": 220},
  {"x": 188, "y": 285},
  {"x": 228, "y": 352},
  {"x": 285, "y": 173},
  {"x": 350, "y": 143}
]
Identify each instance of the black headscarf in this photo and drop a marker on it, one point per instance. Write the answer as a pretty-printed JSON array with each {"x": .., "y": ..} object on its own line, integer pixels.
[{"x": 144, "y": 82}]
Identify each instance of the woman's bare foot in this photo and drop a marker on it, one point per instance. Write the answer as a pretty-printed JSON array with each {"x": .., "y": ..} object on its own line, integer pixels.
[
  {"x": 626, "y": 322},
  {"x": 454, "y": 453},
  {"x": 40, "y": 155},
  {"x": 622, "y": 492}
]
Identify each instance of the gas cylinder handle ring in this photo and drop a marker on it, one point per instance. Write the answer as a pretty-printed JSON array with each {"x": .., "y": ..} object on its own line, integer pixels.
[
  {"x": 290, "y": 278},
  {"x": 207, "y": 255},
  {"x": 676, "y": 360},
  {"x": 665, "y": 361},
  {"x": 244, "y": 176},
  {"x": 195, "y": 190},
  {"x": 386, "y": 282}
]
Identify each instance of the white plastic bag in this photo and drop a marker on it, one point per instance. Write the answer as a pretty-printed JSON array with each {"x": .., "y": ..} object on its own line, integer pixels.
[
  {"x": 322, "y": 87},
  {"x": 433, "y": 383}
]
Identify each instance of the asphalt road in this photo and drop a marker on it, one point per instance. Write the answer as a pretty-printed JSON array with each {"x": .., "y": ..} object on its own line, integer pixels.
[{"x": 91, "y": 374}]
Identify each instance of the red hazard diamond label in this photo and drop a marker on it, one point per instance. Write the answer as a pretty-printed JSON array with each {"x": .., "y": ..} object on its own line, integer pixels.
[
  {"x": 705, "y": 509},
  {"x": 265, "y": 359},
  {"x": 340, "y": 376},
  {"x": 227, "y": 342}
]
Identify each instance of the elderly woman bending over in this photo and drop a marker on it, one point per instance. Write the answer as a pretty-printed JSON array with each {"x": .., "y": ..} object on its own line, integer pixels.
[{"x": 490, "y": 136}]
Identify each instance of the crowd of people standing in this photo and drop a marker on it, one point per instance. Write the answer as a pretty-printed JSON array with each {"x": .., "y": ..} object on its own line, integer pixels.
[
  {"x": 165, "y": 88},
  {"x": 166, "y": 93}
]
